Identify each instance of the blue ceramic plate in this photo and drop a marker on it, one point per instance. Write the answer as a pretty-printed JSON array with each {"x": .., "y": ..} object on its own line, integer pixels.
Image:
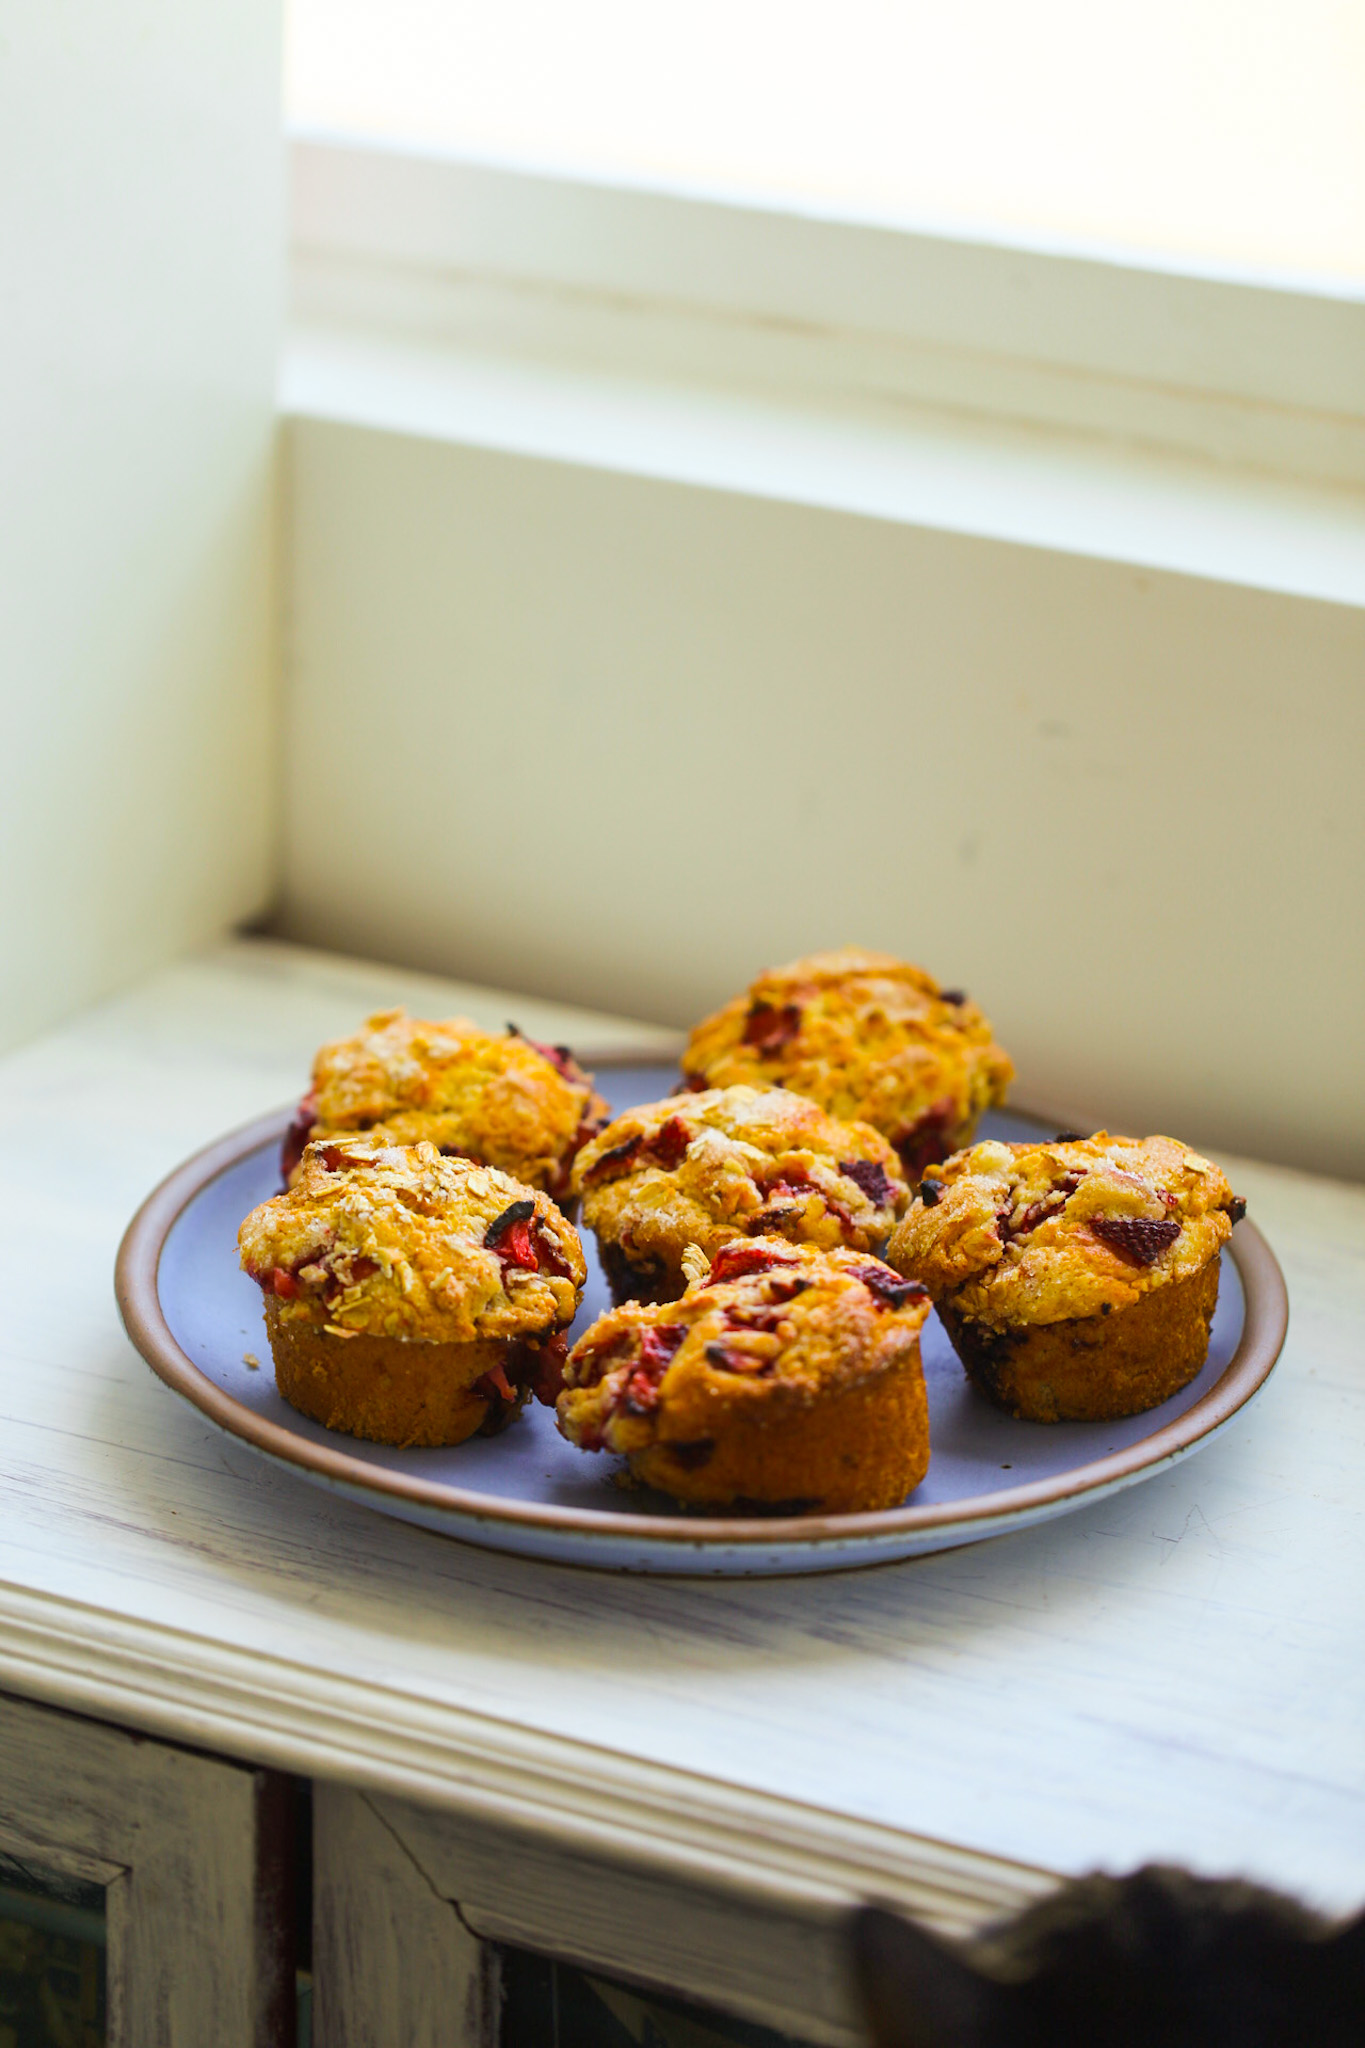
[{"x": 195, "y": 1316}]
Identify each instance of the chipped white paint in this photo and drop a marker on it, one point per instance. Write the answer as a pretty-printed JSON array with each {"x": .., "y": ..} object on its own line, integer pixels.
[
  {"x": 392, "y": 1961},
  {"x": 174, "y": 1838}
]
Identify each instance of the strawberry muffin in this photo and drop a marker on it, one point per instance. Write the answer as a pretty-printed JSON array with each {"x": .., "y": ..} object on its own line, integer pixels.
[
  {"x": 507, "y": 1102},
  {"x": 786, "y": 1377},
  {"x": 868, "y": 1038},
  {"x": 412, "y": 1298},
  {"x": 696, "y": 1169},
  {"x": 1077, "y": 1279}
]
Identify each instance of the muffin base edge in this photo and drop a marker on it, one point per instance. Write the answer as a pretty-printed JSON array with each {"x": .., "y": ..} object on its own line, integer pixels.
[
  {"x": 386, "y": 1390},
  {"x": 1094, "y": 1368}
]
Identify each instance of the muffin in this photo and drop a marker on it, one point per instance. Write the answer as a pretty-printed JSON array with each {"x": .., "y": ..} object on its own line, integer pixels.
[
  {"x": 412, "y": 1298},
  {"x": 867, "y": 1037},
  {"x": 1076, "y": 1279},
  {"x": 786, "y": 1377},
  {"x": 694, "y": 1170},
  {"x": 508, "y": 1102}
]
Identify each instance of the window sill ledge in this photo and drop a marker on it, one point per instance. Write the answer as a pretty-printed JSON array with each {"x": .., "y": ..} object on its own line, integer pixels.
[{"x": 918, "y": 466}]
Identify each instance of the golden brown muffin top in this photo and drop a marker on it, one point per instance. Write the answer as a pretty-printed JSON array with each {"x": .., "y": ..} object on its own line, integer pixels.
[
  {"x": 1037, "y": 1233},
  {"x": 769, "y": 1320},
  {"x": 867, "y": 1037},
  {"x": 510, "y": 1102},
  {"x": 694, "y": 1169},
  {"x": 397, "y": 1241}
]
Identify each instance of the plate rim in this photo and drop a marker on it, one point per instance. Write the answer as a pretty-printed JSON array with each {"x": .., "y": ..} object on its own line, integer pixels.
[{"x": 1265, "y": 1324}]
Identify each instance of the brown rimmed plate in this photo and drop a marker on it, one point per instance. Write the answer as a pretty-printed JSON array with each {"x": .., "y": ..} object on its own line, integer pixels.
[{"x": 195, "y": 1317}]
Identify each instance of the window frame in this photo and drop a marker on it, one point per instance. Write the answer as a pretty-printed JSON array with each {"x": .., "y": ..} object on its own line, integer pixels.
[{"x": 1265, "y": 373}]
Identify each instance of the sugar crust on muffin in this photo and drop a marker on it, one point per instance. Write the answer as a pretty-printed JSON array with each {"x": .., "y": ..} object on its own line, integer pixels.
[
  {"x": 695, "y": 1169},
  {"x": 403, "y": 1242},
  {"x": 1023, "y": 1234},
  {"x": 785, "y": 1374},
  {"x": 508, "y": 1102},
  {"x": 868, "y": 1037}
]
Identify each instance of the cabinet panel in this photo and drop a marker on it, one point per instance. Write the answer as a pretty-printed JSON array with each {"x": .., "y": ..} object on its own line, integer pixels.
[
  {"x": 188, "y": 1862},
  {"x": 393, "y": 1963},
  {"x": 401, "y": 1892}
]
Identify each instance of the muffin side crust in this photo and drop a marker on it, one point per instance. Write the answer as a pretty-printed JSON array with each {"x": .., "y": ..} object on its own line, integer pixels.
[
  {"x": 696, "y": 1169},
  {"x": 786, "y": 1376},
  {"x": 1093, "y": 1368},
  {"x": 868, "y": 1037}
]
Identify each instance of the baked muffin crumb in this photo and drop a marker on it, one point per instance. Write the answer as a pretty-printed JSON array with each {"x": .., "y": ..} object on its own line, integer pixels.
[
  {"x": 508, "y": 1102},
  {"x": 1076, "y": 1278},
  {"x": 785, "y": 1375},
  {"x": 693, "y": 1170},
  {"x": 868, "y": 1037}
]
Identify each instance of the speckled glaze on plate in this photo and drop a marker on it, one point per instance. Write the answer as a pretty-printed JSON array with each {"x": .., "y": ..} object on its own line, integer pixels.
[{"x": 193, "y": 1314}]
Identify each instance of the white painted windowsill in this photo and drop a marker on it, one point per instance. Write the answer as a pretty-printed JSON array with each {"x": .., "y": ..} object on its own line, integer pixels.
[
  {"x": 1169, "y": 1673},
  {"x": 1207, "y": 426}
]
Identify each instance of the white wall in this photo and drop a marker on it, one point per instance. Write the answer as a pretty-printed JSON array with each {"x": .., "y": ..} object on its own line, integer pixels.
[
  {"x": 141, "y": 226},
  {"x": 624, "y": 741}
]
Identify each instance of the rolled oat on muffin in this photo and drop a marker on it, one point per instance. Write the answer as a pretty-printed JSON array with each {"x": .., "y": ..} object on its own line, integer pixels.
[
  {"x": 869, "y": 1038},
  {"x": 786, "y": 1377},
  {"x": 1077, "y": 1279},
  {"x": 694, "y": 1169},
  {"x": 412, "y": 1298},
  {"x": 507, "y": 1102}
]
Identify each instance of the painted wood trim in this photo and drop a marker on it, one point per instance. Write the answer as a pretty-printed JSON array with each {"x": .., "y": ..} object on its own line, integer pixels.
[
  {"x": 394, "y": 1965},
  {"x": 590, "y": 1801},
  {"x": 782, "y": 1967},
  {"x": 196, "y": 1953},
  {"x": 457, "y": 254},
  {"x": 1251, "y": 335}
]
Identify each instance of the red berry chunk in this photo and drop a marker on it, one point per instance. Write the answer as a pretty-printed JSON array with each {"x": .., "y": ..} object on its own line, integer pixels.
[
  {"x": 872, "y": 1179},
  {"x": 792, "y": 1186},
  {"x": 885, "y": 1287},
  {"x": 770, "y": 1028},
  {"x": 1138, "y": 1239},
  {"x": 733, "y": 1261},
  {"x": 667, "y": 1148},
  {"x": 762, "y": 1318},
  {"x": 509, "y": 1235},
  {"x": 298, "y": 1134},
  {"x": 560, "y": 1056},
  {"x": 669, "y": 1144},
  {"x": 928, "y": 1138},
  {"x": 549, "y": 1258},
  {"x": 657, "y": 1348},
  {"x": 496, "y": 1383},
  {"x": 621, "y": 1159},
  {"x": 737, "y": 1361},
  {"x": 516, "y": 1248},
  {"x": 545, "y": 1373}
]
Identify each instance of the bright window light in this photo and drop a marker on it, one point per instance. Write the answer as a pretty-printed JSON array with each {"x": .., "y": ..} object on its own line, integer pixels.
[{"x": 1226, "y": 133}]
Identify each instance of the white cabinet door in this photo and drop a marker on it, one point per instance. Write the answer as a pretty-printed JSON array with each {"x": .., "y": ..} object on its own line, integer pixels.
[
  {"x": 411, "y": 1907},
  {"x": 188, "y": 1859}
]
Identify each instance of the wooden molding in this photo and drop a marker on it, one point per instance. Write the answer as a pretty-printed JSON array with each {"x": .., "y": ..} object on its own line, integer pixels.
[{"x": 565, "y": 1795}]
